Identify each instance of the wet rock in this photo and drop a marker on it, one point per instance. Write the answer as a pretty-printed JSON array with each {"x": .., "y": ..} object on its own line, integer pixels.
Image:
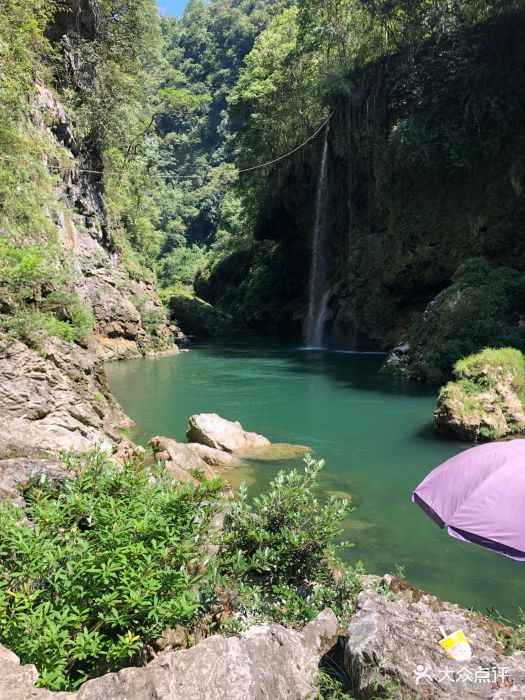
[
  {"x": 221, "y": 434},
  {"x": 267, "y": 661},
  {"x": 213, "y": 457},
  {"x": 275, "y": 451},
  {"x": 180, "y": 339},
  {"x": 393, "y": 647},
  {"x": 179, "y": 459},
  {"x": 398, "y": 360}
]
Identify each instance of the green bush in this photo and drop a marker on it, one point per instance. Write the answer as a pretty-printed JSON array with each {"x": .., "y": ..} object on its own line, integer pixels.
[
  {"x": 36, "y": 292},
  {"x": 179, "y": 267},
  {"x": 94, "y": 569},
  {"x": 280, "y": 551},
  {"x": 195, "y": 316},
  {"x": 91, "y": 572},
  {"x": 30, "y": 325}
]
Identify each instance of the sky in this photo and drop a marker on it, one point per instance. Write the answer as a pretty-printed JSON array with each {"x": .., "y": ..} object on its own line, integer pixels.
[{"x": 171, "y": 7}]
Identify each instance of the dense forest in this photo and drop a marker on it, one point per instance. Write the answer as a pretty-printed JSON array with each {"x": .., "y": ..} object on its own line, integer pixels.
[{"x": 424, "y": 126}]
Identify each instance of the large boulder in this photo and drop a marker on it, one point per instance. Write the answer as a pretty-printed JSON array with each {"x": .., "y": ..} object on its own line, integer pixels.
[
  {"x": 267, "y": 661},
  {"x": 393, "y": 648},
  {"x": 487, "y": 400},
  {"x": 221, "y": 434}
]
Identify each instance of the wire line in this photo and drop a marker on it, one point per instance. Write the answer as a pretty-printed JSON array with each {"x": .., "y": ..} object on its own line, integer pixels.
[{"x": 183, "y": 177}]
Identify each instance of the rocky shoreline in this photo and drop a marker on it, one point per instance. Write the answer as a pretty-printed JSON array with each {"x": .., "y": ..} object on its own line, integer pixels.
[{"x": 390, "y": 650}]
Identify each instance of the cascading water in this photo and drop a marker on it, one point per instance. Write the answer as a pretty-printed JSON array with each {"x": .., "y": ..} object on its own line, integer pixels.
[{"x": 317, "y": 294}]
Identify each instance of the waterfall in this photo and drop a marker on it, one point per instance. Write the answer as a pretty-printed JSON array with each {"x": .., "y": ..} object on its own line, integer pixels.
[{"x": 317, "y": 293}]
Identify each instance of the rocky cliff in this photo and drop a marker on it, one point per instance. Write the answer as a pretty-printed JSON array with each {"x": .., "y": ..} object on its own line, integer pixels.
[
  {"x": 129, "y": 318},
  {"x": 53, "y": 394}
]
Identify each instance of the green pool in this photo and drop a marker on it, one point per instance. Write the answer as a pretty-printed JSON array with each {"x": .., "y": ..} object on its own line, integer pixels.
[{"x": 374, "y": 432}]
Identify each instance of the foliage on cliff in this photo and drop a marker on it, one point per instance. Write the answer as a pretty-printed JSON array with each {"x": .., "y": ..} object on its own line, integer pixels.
[
  {"x": 102, "y": 60},
  {"x": 109, "y": 77},
  {"x": 35, "y": 294},
  {"x": 483, "y": 307}
]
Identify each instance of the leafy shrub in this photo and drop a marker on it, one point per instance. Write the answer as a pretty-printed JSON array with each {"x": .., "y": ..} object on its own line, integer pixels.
[
  {"x": 37, "y": 295},
  {"x": 280, "y": 551},
  {"x": 29, "y": 325},
  {"x": 94, "y": 569},
  {"x": 91, "y": 572},
  {"x": 180, "y": 265}
]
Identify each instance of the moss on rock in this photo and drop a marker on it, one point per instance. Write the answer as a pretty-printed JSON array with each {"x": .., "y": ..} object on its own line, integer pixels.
[{"x": 487, "y": 400}]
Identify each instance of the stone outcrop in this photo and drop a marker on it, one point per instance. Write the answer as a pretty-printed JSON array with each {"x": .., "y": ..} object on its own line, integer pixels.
[
  {"x": 16, "y": 470},
  {"x": 56, "y": 398},
  {"x": 179, "y": 459},
  {"x": 494, "y": 413},
  {"x": 393, "y": 648},
  {"x": 213, "y": 457},
  {"x": 487, "y": 400},
  {"x": 267, "y": 661},
  {"x": 213, "y": 431}
]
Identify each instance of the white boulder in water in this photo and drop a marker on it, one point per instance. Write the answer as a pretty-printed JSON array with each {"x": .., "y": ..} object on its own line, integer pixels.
[{"x": 221, "y": 434}]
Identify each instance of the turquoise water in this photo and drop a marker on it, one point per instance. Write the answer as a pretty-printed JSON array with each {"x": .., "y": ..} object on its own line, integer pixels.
[{"x": 374, "y": 432}]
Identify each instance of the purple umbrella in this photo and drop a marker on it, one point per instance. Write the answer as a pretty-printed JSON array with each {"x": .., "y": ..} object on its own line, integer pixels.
[{"x": 480, "y": 496}]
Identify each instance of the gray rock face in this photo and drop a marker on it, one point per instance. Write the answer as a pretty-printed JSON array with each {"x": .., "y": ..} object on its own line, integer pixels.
[
  {"x": 129, "y": 318},
  {"x": 221, "y": 434},
  {"x": 393, "y": 645},
  {"x": 15, "y": 471},
  {"x": 18, "y": 682},
  {"x": 56, "y": 398},
  {"x": 266, "y": 662}
]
